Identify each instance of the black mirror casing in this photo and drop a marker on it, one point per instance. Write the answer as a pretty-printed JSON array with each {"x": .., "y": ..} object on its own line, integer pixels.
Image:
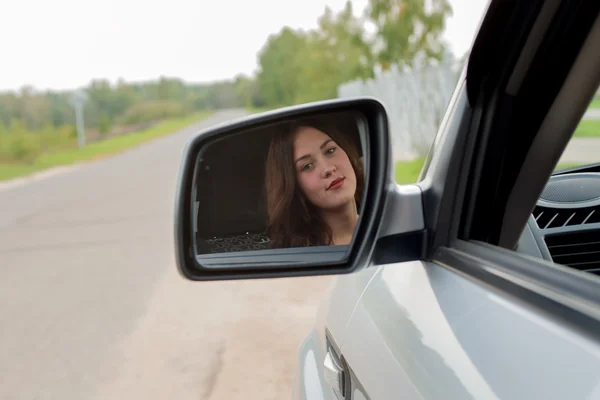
[{"x": 308, "y": 261}]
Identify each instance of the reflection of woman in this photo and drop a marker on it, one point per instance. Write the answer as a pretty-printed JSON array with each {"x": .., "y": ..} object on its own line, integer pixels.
[{"x": 314, "y": 182}]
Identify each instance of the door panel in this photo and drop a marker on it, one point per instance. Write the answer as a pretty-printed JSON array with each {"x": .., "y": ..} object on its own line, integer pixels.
[
  {"x": 337, "y": 305},
  {"x": 422, "y": 331}
]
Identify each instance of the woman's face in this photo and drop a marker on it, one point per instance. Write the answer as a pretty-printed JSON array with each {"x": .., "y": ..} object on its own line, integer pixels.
[{"x": 323, "y": 170}]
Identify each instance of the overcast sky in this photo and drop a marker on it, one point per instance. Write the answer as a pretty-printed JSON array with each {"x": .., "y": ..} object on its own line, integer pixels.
[{"x": 63, "y": 44}]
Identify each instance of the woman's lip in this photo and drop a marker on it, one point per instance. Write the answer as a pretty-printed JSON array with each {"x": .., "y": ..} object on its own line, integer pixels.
[{"x": 336, "y": 183}]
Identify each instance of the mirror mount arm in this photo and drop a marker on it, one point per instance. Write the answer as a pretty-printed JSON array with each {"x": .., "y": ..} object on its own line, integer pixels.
[
  {"x": 402, "y": 235},
  {"x": 403, "y": 210}
]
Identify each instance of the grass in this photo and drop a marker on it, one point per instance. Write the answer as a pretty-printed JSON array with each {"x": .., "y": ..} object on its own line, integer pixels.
[
  {"x": 256, "y": 110},
  {"x": 408, "y": 171},
  {"x": 595, "y": 103},
  {"x": 560, "y": 167},
  {"x": 566, "y": 166},
  {"x": 588, "y": 128},
  {"x": 98, "y": 149}
]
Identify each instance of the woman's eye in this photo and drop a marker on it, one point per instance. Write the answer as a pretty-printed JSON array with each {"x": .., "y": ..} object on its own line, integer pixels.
[
  {"x": 330, "y": 151},
  {"x": 306, "y": 167}
]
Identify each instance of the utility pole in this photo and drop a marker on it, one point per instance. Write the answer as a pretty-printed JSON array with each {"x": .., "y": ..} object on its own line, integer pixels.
[{"x": 78, "y": 99}]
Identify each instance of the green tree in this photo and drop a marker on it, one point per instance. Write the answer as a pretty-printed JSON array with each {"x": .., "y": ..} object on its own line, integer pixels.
[
  {"x": 337, "y": 52},
  {"x": 32, "y": 108},
  {"x": 280, "y": 65},
  {"x": 9, "y": 107},
  {"x": 124, "y": 97},
  {"x": 405, "y": 28},
  {"x": 60, "y": 112}
]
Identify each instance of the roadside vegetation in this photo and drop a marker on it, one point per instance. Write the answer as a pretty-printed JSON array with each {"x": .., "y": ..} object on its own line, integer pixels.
[
  {"x": 588, "y": 128},
  {"x": 408, "y": 171},
  {"x": 24, "y": 153},
  {"x": 38, "y": 128}
]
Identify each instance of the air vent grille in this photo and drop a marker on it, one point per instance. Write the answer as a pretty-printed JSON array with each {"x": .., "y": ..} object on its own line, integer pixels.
[
  {"x": 579, "y": 250},
  {"x": 547, "y": 217}
]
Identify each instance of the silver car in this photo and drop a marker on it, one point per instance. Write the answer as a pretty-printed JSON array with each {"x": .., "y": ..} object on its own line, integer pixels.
[{"x": 479, "y": 281}]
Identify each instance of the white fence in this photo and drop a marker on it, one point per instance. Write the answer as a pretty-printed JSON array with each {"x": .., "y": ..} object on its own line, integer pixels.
[{"x": 415, "y": 99}]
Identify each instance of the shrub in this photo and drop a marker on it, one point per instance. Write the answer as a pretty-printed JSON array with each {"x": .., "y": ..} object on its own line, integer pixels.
[
  {"x": 20, "y": 146},
  {"x": 152, "y": 111}
]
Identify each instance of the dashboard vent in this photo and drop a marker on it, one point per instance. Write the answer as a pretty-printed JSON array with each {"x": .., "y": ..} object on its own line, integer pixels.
[
  {"x": 547, "y": 217},
  {"x": 579, "y": 250}
]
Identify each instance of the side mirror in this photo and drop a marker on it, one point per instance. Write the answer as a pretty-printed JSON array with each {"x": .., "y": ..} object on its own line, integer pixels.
[{"x": 297, "y": 191}]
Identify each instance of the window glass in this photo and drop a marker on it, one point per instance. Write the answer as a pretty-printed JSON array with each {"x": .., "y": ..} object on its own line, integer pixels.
[{"x": 565, "y": 224}]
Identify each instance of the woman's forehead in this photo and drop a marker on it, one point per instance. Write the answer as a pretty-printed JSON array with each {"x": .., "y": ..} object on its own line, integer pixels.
[{"x": 309, "y": 137}]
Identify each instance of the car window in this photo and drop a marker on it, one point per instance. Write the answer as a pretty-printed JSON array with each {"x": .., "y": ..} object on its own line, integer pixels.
[
  {"x": 565, "y": 223},
  {"x": 423, "y": 95},
  {"x": 583, "y": 148}
]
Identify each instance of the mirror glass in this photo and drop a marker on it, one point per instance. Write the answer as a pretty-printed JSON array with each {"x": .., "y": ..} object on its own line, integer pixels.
[{"x": 294, "y": 186}]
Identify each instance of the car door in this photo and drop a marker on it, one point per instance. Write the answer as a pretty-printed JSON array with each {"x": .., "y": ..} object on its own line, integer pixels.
[{"x": 475, "y": 318}]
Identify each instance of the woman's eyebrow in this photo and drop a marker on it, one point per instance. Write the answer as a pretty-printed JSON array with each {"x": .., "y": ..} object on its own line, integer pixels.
[
  {"x": 302, "y": 158},
  {"x": 325, "y": 143}
]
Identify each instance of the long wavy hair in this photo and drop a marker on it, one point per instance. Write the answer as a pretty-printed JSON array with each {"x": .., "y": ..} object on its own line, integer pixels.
[{"x": 292, "y": 220}]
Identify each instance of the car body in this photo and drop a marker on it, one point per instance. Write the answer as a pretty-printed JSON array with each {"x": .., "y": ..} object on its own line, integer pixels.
[
  {"x": 418, "y": 330},
  {"x": 454, "y": 287}
]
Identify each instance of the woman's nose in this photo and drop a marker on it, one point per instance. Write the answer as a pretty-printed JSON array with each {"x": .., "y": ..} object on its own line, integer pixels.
[{"x": 328, "y": 170}]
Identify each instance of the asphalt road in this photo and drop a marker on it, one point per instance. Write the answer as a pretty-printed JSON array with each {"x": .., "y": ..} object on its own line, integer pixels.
[
  {"x": 584, "y": 150},
  {"x": 92, "y": 306},
  {"x": 592, "y": 113}
]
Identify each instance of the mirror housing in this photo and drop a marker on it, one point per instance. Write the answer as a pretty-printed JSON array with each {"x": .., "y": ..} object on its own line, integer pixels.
[{"x": 406, "y": 239}]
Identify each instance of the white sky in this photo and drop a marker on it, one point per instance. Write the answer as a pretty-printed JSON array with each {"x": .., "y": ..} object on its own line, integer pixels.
[{"x": 63, "y": 44}]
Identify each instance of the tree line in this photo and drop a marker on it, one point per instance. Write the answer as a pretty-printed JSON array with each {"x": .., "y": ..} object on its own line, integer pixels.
[
  {"x": 294, "y": 66},
  {"x": 298, "y": 66}
]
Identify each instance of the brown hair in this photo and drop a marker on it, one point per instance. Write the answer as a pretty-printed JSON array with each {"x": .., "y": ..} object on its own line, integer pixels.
[{"x": 292, "y": 220}]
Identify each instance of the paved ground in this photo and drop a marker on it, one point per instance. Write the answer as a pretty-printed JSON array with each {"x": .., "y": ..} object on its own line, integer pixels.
[
  {"x": 92, "y": 306},
  {"x": 582, "y": 151},
  {"x": 592, "y": 113}
]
